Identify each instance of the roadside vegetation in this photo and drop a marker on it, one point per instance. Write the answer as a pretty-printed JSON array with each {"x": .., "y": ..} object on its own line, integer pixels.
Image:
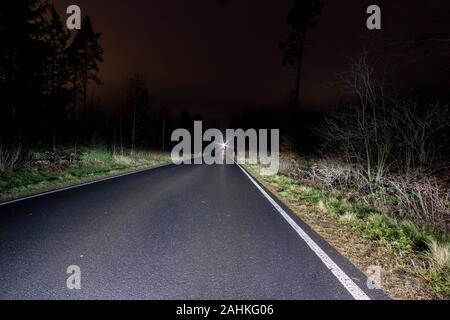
[
  {"x": 41, "y": 170},
  {"x": 380, "y": 169},
  {"x": 417, "y": 252}
]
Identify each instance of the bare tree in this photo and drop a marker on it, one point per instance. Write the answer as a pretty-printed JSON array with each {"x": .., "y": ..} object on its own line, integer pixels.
[
  {"x": 382, "y": 133},
  {"x": 361, "y": 131}
]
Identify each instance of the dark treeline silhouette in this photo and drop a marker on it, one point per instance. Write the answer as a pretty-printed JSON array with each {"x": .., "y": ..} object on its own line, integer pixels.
[
  {"x": 139, "y": 123},
  {"x": 45, "y": 72}
]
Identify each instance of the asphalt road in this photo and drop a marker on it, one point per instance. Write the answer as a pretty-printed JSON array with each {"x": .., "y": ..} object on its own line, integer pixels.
[{"x": 175, "y": 232}]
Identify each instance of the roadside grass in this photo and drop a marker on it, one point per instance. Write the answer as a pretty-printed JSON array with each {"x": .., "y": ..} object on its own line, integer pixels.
[
  {"x": 426, "y": 247},
  {"x": 46, "y": 171}
]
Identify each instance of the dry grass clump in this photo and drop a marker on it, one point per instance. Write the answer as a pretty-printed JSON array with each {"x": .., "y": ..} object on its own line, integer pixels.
[
  {"x": 425, "y": 200},
  {"x": 440, "y": 255},
  {"x": 9, "y": 158}
]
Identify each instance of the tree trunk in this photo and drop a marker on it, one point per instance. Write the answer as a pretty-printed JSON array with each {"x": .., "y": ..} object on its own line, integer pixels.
[
  {"x": 299, "y": 72},
  {"x": 85, "y": 82},
  {"x": 164, "y": 134},
  {"x": 74, "y": 99},
  {"x": 54, "y": 137},
  {"x": 114, "y": 141},
  {"x": 133, "y": 132},
  {"x": 120, "y": 134}
]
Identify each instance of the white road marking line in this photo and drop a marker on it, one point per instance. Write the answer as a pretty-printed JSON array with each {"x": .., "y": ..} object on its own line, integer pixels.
[
  {"x": 343, "y": 278},
  {"x": 81, "y": 185}
]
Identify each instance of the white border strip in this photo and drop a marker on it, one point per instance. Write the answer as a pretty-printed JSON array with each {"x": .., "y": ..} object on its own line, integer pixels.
[
  {"x": 343, "y": 278},
  {"x": 82, "y": 184}
]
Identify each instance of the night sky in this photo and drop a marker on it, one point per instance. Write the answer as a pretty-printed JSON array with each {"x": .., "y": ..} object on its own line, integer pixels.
[{"x": 222, "y": 57}]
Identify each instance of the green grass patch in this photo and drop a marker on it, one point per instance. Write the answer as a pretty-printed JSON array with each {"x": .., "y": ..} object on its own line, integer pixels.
[{"x": 50, "y": 173}]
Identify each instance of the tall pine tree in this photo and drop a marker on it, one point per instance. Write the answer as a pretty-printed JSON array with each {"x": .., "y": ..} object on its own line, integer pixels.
[
  {"x": 22, "y": 58},
  {"x": 85, "y": 53},
  {"x": 56, "y": 72},
  {"x": 302, "y": 17}
]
